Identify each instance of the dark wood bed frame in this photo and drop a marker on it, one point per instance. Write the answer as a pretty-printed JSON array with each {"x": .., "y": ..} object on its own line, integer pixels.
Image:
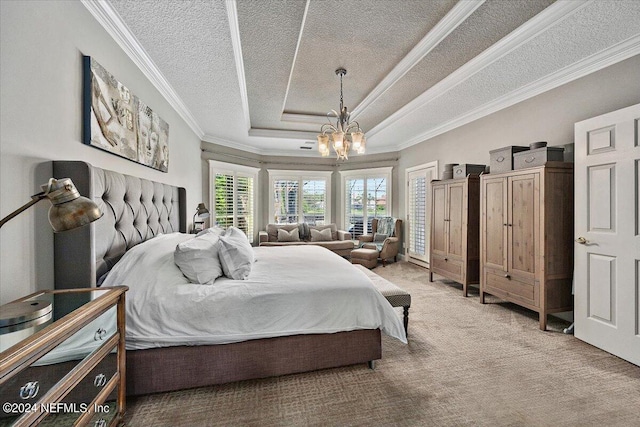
[{"x": 136, "y": 210}]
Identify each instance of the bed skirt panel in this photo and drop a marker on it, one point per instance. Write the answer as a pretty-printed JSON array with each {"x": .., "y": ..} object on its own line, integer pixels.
[{"x": 174, "y": 368}]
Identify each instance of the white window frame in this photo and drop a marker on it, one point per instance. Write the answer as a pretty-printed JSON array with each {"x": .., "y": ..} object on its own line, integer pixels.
[
  {"x": 216, "y": 167},
  {"x": 300, "y": 176},
  {"x": 386, "y": 172}
]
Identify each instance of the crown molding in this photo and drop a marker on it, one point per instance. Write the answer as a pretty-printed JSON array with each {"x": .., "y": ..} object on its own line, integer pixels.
[
  {"x": 530, "y": 29},
  {"x": 231, "y": 144},
  {"x": 591, "y": 64},
  {"x": 452, "y": 20},
  {"x": 118, "y": 30},
  {"x": 234, "y": 28},
  {"x": 295, "y": 55}
]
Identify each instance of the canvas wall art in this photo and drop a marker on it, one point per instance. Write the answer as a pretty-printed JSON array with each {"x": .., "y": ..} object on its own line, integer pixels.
[{"x": 116, "y": 120}]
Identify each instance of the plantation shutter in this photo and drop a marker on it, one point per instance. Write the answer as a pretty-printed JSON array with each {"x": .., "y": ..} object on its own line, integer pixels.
[
  {"x": 314, "y": 194},
  {"x": 244, "y": 205},
  {"x": 285, "y": 193},
  {"x": 224, "y": 199}
]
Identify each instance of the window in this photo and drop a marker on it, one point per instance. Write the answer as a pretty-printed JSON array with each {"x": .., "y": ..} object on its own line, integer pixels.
[
  {"x": 300, "y": 196},
  {"x": 366, "y": 195},
  {"x": 233, "y": 196}
]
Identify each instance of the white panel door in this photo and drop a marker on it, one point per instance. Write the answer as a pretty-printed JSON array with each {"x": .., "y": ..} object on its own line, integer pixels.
[
  {"x": 418, "y": 207},
  {"x": 607, "y": 228}
]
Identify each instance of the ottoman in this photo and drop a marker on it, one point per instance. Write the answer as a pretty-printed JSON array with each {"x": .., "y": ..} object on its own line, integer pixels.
[{"x": 366, "y": 257}]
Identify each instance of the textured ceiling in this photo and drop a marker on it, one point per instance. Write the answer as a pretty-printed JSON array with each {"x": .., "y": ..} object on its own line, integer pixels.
[{"x": 259, "y": 75}]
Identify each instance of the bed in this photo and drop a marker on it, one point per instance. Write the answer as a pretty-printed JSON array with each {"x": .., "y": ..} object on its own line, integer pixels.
[{"x": 137, "y": 210}]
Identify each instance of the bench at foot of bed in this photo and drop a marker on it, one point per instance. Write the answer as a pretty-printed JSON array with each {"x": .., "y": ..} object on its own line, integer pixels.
[{"x": 396, "y": 296}]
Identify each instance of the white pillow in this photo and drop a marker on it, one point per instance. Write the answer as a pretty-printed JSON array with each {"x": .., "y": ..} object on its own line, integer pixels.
[
  {"x": 198, "y": 259},
  {"x": 321, "y": 236},
  {"x": 217, "y": 230},
  {"x": 288, "y": 236},
  {"x": 236, "y": 254}
]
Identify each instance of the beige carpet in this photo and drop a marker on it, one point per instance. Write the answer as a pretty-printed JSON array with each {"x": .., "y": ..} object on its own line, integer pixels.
[{"x": 466, "y": 364}]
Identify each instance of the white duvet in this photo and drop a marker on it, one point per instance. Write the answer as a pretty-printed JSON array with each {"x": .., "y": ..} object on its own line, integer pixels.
[{"x": 291, "y": 290}]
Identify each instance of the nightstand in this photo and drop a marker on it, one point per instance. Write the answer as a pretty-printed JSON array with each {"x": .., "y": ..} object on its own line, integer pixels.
[{"x": 62, "y": 359}]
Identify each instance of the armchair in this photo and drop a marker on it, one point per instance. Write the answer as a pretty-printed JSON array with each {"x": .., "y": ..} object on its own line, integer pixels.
[{"x": 389, "y": 247}]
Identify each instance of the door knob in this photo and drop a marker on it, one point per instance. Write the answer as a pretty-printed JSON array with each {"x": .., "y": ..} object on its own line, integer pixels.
[{"x": 582, "y": 240}]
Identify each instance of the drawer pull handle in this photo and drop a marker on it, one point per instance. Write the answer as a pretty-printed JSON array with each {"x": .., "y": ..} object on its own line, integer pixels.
[
  {"x": 100, "y": 380},
  {"x": 100, "y": 423},
  {"x": 530, "y": 159},
  {"x": 507, "y": 276},
  {"x": 446, "y": 259},
  {"x": 500, "y": 159},
  {"x": 99, "y": 335},
  {"x": 29, "y": 390}
]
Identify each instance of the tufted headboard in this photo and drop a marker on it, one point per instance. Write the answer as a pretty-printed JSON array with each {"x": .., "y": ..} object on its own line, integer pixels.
[{"x": 134, "y": 210}]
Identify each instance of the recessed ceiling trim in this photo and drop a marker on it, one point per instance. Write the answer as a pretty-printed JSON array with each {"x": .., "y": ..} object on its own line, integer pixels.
[
  {"x": 282, "y": 133},
  {"x": 295, "y": 55},
  {"x": 304, "y": 118},
  {"x": 118, "y": 30},
  {"x": 234, "y": 28},
  {"x": 530, "y": 29},
  {"x": 452, "y": 20},
  {"x": 596, "y": 62}
]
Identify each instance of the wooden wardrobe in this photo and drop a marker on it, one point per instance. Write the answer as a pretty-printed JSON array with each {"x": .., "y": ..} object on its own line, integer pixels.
[
  {"x": 526, "y": 237},
  {"x": 454, "y": 251}
]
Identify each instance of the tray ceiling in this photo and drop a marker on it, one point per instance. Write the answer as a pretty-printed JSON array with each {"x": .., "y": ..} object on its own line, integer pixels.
[{"x": 259, "y": 75}]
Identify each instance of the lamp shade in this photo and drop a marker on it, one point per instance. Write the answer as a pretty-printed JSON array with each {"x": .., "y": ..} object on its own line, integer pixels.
[
  {"x": 69, "y": 209},
  {"x": 202, "y": 212}
]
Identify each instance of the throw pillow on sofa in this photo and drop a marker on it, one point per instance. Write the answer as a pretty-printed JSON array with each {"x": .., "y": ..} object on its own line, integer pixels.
[
  {"x": 288, "y": 236},
  {"x": 321, "y": 236}
]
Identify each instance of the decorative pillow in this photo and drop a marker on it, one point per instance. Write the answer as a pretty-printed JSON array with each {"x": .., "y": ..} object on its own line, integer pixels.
[
  {"x": 379, "y": 237},
  {"x": 198, "y": 259},
  {"x": 288, "y": 236},
  {"x": 332, "y": 227},
  {"x": 321, "y": 236},
  {"x": 272, "y": 230},
  {"x": 236, "y": 254}
]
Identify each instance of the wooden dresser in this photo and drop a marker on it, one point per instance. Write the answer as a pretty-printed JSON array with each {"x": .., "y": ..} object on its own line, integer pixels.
[
  {"x": 454, "y": 248},
  {"x": 65, "y": 364},
  {"x": 526, "y": 237}
]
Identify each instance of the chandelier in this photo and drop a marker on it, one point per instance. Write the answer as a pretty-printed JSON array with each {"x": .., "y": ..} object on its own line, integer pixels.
[{"x": 345, "y": 135}]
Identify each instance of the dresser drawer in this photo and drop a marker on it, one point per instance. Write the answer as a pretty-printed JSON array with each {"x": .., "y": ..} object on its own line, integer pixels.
[
  {"x": 504, "y": 285},
  {"x": 30, "y": 384},
  {"x": 447, "y": 267}
]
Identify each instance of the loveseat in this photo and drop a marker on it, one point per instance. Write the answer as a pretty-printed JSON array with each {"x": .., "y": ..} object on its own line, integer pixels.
[{"x": 338, "y": 241}]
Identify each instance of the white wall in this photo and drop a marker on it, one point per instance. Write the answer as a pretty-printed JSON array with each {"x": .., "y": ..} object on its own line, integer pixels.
[{"x": 42, "y": 43}]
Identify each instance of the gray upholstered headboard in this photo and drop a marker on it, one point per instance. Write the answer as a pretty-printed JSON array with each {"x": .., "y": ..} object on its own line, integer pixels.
[{"x": 134, "y": 210}]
